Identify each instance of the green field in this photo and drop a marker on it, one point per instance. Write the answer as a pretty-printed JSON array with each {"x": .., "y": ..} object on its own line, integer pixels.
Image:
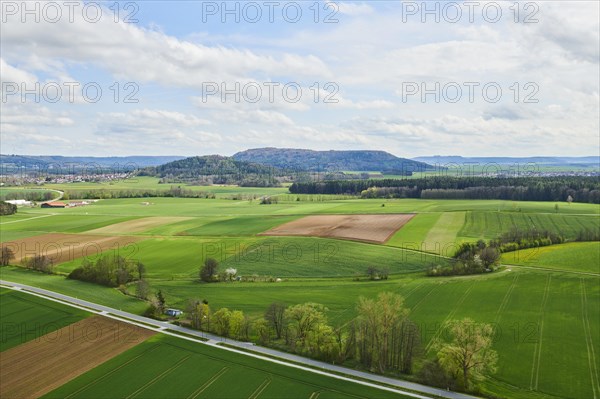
[
  {"x": 26, "y": 317},
  {"x": 168, "y": 367},
  {"x": 545, "y": 315},
  {"x": 78, "y": 289},
  {"x": 576, "y": 256}
]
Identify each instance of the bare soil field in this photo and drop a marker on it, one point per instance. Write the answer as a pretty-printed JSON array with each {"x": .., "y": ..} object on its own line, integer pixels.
[
  {"x": 138, "y": 225},
  {"x": 67, "y": 247},
  {"x": 369, "y": 228},
  {"x": 37, "y": 367}
]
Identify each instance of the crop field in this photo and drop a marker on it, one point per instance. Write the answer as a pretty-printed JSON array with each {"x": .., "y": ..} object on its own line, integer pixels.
[
  {"x": 544, "y": 310},
  {"x": 491, "y": 224},
  {"x": 284, "y": 257},
  {"x": 137, "y": 225},
  {"x": 26, "y": 317},
  {"x": 576, "y": 256},
  {"x": 39, "y": 366},
  {"x": 369, "y": 228},
  {"x": 167, "y": 367},
  {"x": 67, "y": 247}
]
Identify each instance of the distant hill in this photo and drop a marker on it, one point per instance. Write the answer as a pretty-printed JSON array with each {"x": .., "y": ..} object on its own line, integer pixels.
[
  {"x": 309, "y": 160},
  {"x": 215, "y": 169},
  {"x": 548, "y": 161},
  {"x": 55, "y": 162}
]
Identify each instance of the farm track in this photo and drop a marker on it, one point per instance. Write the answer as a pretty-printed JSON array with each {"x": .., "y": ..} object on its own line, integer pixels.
[
  {"x": 590, "y": 343},
  {"x": 506, "y": 299},
  {"x": 158, "y": 377},
  {"x": 537, "y": 352},
  {"x": 450, "y": 315},
  {"x": 24, "y": 220}
]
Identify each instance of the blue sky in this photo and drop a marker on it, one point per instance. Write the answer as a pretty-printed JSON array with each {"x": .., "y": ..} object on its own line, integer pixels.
[{"x": 485, "y": 79}]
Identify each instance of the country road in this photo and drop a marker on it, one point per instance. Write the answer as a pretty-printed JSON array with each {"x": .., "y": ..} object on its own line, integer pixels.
[{"x": 330, "y": 370}]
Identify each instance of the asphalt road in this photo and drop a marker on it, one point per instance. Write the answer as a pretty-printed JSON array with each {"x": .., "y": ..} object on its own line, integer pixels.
[{"x": 417, "y": 390}]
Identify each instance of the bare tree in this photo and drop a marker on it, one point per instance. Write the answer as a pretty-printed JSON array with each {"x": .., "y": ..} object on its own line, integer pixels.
[
  {"x": 275, "y": 317},
  {"x": 7, "y": 256}
]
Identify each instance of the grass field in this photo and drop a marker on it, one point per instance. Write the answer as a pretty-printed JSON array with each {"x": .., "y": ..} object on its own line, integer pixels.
[
  {"x": 167, "y": 367},
  {"x": 26, "y": 317},
  {"x": 548, "y": 345},
  {"x": 283, "y": 257},
  {"x": 576, "y": 256},
  {"x": 78, "y": 289}
]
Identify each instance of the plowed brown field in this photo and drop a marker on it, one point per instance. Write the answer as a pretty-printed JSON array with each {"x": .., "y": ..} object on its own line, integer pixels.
[
  {"x": 370, "y": 228},
  {"x": 37, "y": 367},
  {"x": 66, "y": 247}
]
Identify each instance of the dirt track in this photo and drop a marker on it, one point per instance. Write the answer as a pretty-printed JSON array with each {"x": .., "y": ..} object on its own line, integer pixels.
[
  {"x": 37, "y": 367},
  {"x": 369, "y": 228},
  {"x": 67, "y": 247}
]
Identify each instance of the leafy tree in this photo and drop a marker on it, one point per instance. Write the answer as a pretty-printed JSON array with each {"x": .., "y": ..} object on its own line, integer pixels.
[
  {"x": 303, "y": 318},
  {"x": 230, "y": 273},
  {"x": 385, "y": 338},
  {"x": 469, "y": 356},
  {"x": 6, "y": 256},
  {"x": 208, "y": 270},
  {"x": 275, "y": 317},
  {"x": 262, "y": 329},
  {"x": 199, "y": 314},
  {"x": 142, "y": 289},
  {"x": 221, "y": 321},
  {"x": 239, "y": 325},
  {"x": 161, "y": 302}
]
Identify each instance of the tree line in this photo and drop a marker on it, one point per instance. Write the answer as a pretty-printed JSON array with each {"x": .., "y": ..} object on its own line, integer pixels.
[
  {"x": 173, "y": 191},
  {"x": 557, "y": 188},
  {"x": 381, "y": 338}
]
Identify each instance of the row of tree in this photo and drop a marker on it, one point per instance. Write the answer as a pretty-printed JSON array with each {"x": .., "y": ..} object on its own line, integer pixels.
[
  {"x": 172, "y": 192},
  {"x": 382, "y": 338},
  {"x": 29, "y": 195},
  {"x": 555, "y": 188}
]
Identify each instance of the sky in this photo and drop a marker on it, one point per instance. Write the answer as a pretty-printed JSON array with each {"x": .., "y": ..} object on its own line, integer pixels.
[{"x": 414, "y": 78}]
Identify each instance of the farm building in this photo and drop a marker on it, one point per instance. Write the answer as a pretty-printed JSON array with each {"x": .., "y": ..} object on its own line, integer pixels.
[
  {"x": 54, "y": 205},
  {"x": 173, "y": 312}
]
